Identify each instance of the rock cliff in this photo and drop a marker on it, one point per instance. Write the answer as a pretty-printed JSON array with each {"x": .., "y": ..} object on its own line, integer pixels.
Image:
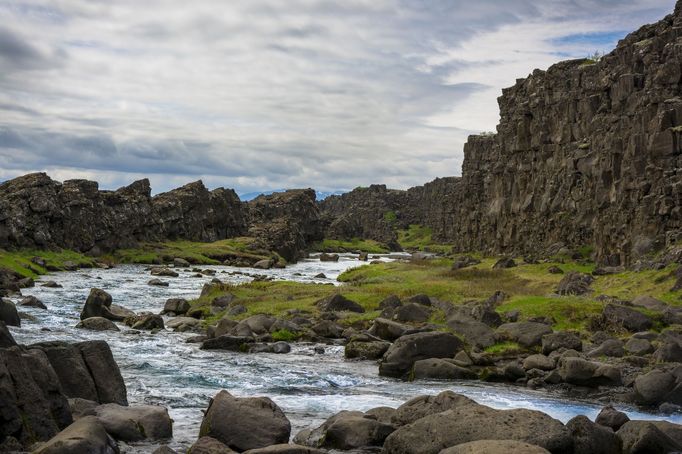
[{"x": 587, "y": 153}]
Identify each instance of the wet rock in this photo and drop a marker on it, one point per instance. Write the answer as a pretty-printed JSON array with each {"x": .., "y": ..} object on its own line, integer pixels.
[
  {"x": 610, "y": 417},
  {"x": 320, "y": 276},
  {"x": 324, "y": 257},
  {"x": 87, "y": 435},
  {"x": 442, "y": 369},
  {"x": 183, "y": 324},
  {"x": 163, "y": 271},
  {"x": 177, "y": 306},
  {"x": 50, "y": 284},
  {"x": 6, "y": 339},
  {"x": 147, "y": 322},
  {"x": 527, "y": 334},
  {"x": 574, "y": 283},
  {"x": 561, "y": 340},
  {"x": 401, "y": 356},
  {"x": 578, "y": 371},
  {"x": 229, "y": 343},
  {"x": 98, "y": 304},
  {"x": 645, "y": 437},
  {"x": 338, "y": 303},
  {"x": 144, "y": 422},
  {"x": 8, "y": 313},
  {"x": 412, "y": 312},
  {"x": 245, "y": 423},
  {"x": 97, "y": 324},
  {"x": 464, "y": 261},
  {"x": 264, "y": 264},
  {"x": 357, "y": 349},
  {"x": 104, "y": 371},
  {"x": 179, "y": 262},
  {"x": 495, "y": 447},
  {"x": 158, "y": 283},
  {"x": 32, "y": 301},
  {"x": 432, "y": 433},
  {"x": 277, "y": 347}
]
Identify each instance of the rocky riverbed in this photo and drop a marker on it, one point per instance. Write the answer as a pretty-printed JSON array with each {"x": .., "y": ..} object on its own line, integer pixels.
[{"x": 310, "y": 384}]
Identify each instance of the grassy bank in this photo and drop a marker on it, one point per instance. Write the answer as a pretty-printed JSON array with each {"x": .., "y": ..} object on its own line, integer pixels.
[
  {"x": 530, "y": 290},
  {"x": 354, "y": 245},
  {"x": 21, "y": 261},
  {"x": 420, "y": 238}
]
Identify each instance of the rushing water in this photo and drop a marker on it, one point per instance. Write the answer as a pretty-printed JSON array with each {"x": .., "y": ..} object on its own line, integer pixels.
[{"x": 162, "y": 369}]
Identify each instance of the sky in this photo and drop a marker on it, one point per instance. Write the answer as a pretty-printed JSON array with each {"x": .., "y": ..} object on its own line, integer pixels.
[{"x": 264, "y": 94}]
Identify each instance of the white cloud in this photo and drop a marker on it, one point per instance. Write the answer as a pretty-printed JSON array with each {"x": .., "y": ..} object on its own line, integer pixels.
[{"x": 268, "y": 94}]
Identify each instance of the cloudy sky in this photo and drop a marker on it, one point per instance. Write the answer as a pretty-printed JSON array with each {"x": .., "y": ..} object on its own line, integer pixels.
[{"x": 266, "y": 94}]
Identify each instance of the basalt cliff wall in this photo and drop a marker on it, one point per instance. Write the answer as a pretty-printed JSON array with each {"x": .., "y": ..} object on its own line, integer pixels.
[
  {"x": 38, "y": 212},
  {"x": 587, "y": 153}
]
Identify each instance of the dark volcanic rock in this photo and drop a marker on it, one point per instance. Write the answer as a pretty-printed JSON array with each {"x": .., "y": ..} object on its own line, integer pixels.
[
  {"x": 8, "y": 313},
  {"x": 245, "y": 423},
  {"x": 87, "y": 435},
  {"x": 401, "y": 356},
  {"x": 575, "y": 283},
  {"x": 98, "y": 304},
  {"x": 338, "y": 302}
]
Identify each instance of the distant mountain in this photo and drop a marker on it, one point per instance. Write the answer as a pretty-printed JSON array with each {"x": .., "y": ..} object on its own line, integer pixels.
[{"x": 319, "y": 194}]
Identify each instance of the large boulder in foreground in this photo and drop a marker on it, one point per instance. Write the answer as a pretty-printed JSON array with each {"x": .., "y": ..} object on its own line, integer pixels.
[
  {"x": 8, "y": 313},
  {"x": 346, "y": 430},
  {"x": 408, "y": 349},
  {"x": 285, "y": 449},
  {"x": 87, "y": 435},
  {"x": 138, "y": 423},
  {"x": 467, "y": 423},
  {"x": 245, "y": 423},
  {"x": 495, "y": 447},
  {"x": 646, "y": 437},
  {"x": 578, "y": 371},
  {"x": 420, "y": 406},
  {"x": 338, "y": 303}
]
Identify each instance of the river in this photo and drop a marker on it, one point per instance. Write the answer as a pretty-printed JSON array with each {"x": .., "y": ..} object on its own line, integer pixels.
[{"x": 162, "y": 369}]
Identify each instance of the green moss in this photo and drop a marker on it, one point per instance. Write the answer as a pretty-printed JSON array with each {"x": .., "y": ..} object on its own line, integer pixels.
[
  {"x": 284, "y": 335},
  {"x": 568, "y": 313},
  {"x": 418, "y": 237},
  {"x": 369, "y": 246},
  {"x": 390, "y": 217},
  {"x": 504, "y": 348}
]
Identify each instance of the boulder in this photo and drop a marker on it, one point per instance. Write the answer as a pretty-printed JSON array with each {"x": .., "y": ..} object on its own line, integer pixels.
[
  {"x": 324, "y": 257},
  {"x": 401, "y": 356},
  {"x": 442, "y": 369},
  {"x": 390, "y": 302},
  {"x": 555, "y": 270},
  {"x": 526, "y": 334},
  {"x": 264, "y": 264},
  {"x": 98, "y": 304},
  {"x": 357, "y": 349},
  {"x": 32, "y": 301},
  {"x": 163, "y": 271},
  {"x": 105, "y": 373},
  {"x": 638, "y": 347},
  {"x": 592, "y": 438},
  {"x": 610, "y": 347},
  {"x": 8, "y": 313},
  {"x": 226, "y": 326},
  {"x": 179, "y": 262},
  {"x": 183, "y": 324},
  {"x": 464, "y": 261},
  {"x": 420, "y": 406},
  {"x": 574, "y": 283},
  {"x": 245, "y": 423},
  {"x": 6, "y": 339},
  {"x": 285, "y": 448},
  {"x": 146, "y": 322},
  {"x": 504, "y": 262},
  {"x": 645, "y": 437},
  {"x": 338, "y": 303},
  {"x": 669, "y": 351},
  {"x": 412, "y": 312},
  {"x": 85, "y": 436},
  {"x": 158, "y": 283},
  {"x": 209, "y": 445},
  {"x": 495, "y": 447},
  {"x": 50, "y": 284},
  {"x": 229, "y": 343},
  {"x": 356, "y": 432},
  {"x": 145, "y": 422},
  {"x": 178, "y": 306},
  {"x": 463, "y": 424},
  {"x": 420, "y": 298},
  {"x": 98, "y": 324},
  {"x": 327, "y": 329},
  {"x": 653, "y": 387},
  {"x": 621, "y": 317},
  {"x": 538, "y": 361},
  {"x": 650, "y": 303},
  {"x": 259, "y": 324},
  {"x": 561, "y": 340},
  {"x": 381, "y": 414},
  {"x": 578, "y": 371},
  {"x": 476, "y": 334},
  {"x": 610, "y": 417},
  {"x": 387, "y": 329}
]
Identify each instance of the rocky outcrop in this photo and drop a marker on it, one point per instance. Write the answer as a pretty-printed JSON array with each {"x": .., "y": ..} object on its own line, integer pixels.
[
  {"x": 194, "y": 213},
  {"x": 285, "y": 222}
]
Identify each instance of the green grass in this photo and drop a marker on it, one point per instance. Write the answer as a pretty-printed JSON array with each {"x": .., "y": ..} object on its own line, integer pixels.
[
  {"x": 417, "y": 237},
  {"x": 284, "y": 335},
  {"x": 503, "y": 348},
  {"x": 20, "y": 261},
  {"x": 568, "y": 312},
  {"x": 195, "y": 252},
  {"x": 369, "y": 246}
]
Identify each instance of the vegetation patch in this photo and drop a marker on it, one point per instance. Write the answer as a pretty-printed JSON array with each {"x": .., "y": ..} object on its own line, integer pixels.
[
  {"x": 420, "y": 238},
  {"x": 504, "y": 348},
  {"x": 354, "y": 245},
  {"x": 57, "y": 260}
]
